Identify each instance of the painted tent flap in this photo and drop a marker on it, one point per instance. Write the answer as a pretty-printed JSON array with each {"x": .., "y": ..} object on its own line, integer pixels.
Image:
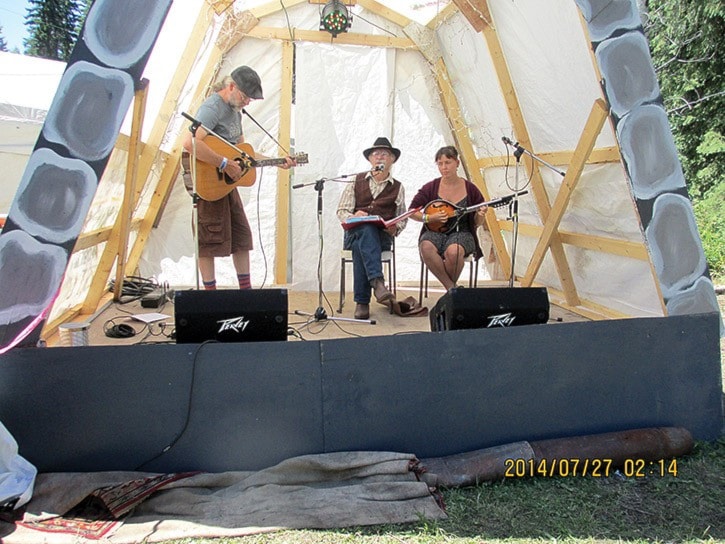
[{"x": 69, "y": 157}]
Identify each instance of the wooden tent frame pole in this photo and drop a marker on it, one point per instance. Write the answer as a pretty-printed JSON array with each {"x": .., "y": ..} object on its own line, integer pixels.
[
  {"x": 130, "y": 195},
  {"x": 592, "y": 128},
  {"x": 282, "y": 236}
]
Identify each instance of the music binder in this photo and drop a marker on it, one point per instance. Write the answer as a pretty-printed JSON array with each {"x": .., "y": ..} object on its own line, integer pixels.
[{"x": 357, "y": 220}]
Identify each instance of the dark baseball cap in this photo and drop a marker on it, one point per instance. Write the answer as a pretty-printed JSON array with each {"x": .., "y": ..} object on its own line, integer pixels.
[{"x": 248, "y": 82}]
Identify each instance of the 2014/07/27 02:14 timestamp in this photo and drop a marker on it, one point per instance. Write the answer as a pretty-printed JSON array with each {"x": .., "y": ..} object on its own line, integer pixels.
[{"x": 595, "y": 468}]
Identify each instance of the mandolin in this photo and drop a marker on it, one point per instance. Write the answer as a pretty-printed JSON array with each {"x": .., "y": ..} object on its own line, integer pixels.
[
  {"x": 212, "y": 184},
  {"x": 455, "y": 213}
]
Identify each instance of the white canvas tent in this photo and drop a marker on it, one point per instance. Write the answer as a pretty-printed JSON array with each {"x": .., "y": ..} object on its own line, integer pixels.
[
  {"x": 467, "y": 73},
  {"x": 29, "y": 84}
]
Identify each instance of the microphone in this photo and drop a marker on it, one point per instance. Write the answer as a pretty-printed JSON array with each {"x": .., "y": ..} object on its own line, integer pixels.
[
  {"x": 519, "y": 150},
  {"x": 379, "y": 167},
  {"x": 195, "y": 123},
  {"x": 189, "y": 117}
]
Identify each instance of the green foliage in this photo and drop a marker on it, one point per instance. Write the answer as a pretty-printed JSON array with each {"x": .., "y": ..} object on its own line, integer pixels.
[
  {"x": 687, "y": 39},
  {"x": 710, "y": 214},
  {"x": 53, "y": 26}
]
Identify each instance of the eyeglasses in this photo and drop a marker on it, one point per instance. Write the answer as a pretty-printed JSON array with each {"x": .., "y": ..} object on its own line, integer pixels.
[
  {"x": 244, "y": 95},
  {"x": 381, "y": 153}
]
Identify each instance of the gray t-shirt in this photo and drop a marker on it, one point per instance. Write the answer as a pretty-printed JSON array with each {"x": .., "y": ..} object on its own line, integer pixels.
[{"x": 220, "y": 117}]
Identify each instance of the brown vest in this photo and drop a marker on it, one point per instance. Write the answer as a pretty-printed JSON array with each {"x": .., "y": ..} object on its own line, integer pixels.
[{"x": 383, "y": 205}]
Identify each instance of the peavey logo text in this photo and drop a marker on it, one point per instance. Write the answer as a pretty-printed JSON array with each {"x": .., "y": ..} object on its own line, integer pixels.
[
  {"x": 236, "y": 324},
  {"x": 502, "y": 320}
]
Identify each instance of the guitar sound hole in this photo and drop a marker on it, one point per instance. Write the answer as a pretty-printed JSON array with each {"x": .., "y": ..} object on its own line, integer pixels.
[{"x": 243, "y": 166}]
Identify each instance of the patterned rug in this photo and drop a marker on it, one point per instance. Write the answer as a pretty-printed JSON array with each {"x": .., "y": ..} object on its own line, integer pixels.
[
  {"x": 340, "y": 489},
  {"x": 101, "y": 511}
]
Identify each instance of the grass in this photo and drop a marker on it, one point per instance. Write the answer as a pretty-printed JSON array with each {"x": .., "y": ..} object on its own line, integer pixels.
[{"x": 687, "y": 508}]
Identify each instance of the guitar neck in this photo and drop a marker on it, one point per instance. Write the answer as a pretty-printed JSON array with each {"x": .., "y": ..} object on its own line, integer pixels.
[
  {"x": 495, "y": 203},
  {"x": 270, "y": 162}
]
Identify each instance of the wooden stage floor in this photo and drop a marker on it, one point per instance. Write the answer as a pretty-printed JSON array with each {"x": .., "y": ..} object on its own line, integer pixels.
[{"x": 302, "y": 308}]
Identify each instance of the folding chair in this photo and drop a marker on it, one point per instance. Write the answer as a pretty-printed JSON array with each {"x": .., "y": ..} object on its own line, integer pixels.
[
  {"x": 388, "y": 260},
  {"x": 472, "y": 276}
]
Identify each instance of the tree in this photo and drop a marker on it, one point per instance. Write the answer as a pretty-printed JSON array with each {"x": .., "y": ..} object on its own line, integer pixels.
[
  {"x": 687, "y": 38},
  {"x": 3, "y": 43},
  {"x": 53, "y": 27}
]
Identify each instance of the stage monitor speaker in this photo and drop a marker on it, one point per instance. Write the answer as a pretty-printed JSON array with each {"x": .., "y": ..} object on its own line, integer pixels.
[
  {"x": 231, "y": 315},
  {"x": 487, "y": 307}
]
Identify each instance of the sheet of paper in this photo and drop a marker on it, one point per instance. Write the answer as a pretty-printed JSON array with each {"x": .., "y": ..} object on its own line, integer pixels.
[{"x": 150, "y": 317}]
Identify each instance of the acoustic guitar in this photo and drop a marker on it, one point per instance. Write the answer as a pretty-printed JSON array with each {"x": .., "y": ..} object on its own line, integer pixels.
[
  {"x": 454, "y": 213},
  {"x": 213, "y": 184}
]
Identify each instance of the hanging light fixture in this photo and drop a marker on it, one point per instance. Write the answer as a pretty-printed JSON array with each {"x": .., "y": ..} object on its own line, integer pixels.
[{"x": 335, "y": 18}]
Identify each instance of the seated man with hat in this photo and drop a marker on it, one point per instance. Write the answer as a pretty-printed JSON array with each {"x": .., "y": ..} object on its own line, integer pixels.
[{"x": 373, "y": 193}]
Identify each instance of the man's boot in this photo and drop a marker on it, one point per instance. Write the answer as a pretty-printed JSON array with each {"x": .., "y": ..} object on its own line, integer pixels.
[
  {"x": 382, "y": 295},
  {"x": 362, "y": 311}
]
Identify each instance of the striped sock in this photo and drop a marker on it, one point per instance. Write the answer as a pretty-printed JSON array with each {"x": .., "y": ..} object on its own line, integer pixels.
[
  {"x": 245, "y": 281},
  {"x": 209, "y": 285}
]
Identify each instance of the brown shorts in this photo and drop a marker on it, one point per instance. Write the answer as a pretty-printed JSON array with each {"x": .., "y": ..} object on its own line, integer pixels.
[{"x": 223, "y": 227}]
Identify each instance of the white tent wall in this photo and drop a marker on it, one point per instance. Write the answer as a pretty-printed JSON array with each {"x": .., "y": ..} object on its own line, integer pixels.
[
  {"x": 165, "y": 58},
  {"x": 550, "y": 64},
  {"x": 346, "y": 96},
  {"x": 421, "y": 128},
  {"x": 26, "y": 94},
  {"x": 473, "y": 75},
  {"x": 549, "y": 58},
  {"x": 343, "y": 100}
]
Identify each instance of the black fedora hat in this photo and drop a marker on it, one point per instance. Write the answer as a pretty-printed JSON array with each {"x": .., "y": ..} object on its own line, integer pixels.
[{"x": 382, "y": 143}]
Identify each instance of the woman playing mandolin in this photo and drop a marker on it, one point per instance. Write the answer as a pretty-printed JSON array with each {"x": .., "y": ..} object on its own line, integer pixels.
[{"x": 448, "y": 235}]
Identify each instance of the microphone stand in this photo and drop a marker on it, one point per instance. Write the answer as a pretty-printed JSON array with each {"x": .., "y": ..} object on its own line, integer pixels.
[
  {"x": 518, "y": 151},
  {"x": 514, "y": 206},
  {"x": 245, "y": 112},
  {"x": 194, "y": 198},
  {"x": 321, "y": 314}
]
